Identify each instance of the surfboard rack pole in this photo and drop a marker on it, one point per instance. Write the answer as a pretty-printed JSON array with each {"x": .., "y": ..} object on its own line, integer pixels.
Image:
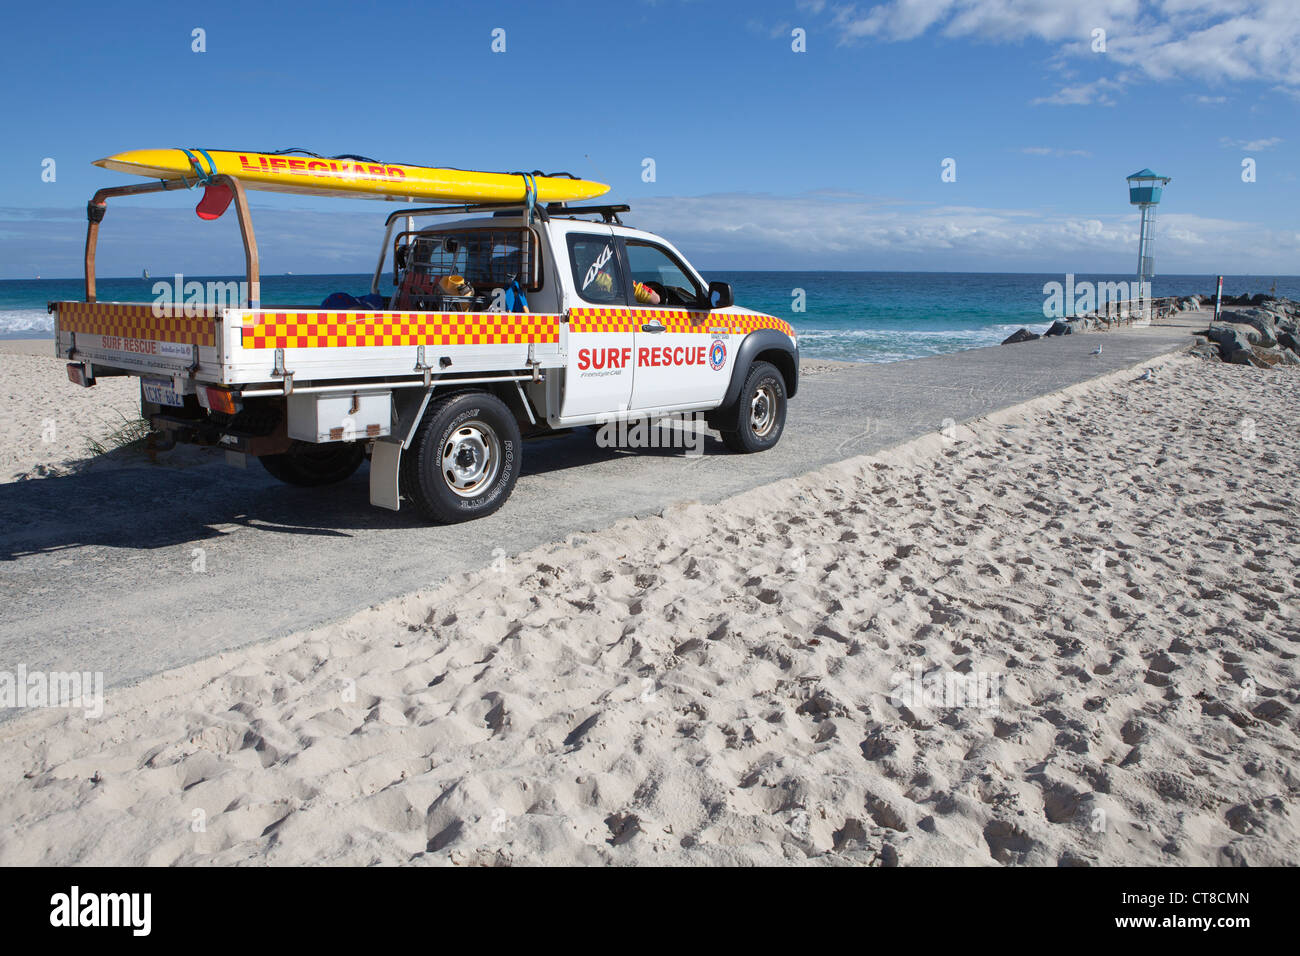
[{"x": 98, "y": 206}]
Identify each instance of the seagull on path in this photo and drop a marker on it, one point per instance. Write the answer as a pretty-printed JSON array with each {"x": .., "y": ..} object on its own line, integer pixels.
[{"x": 1097, "y": 350}]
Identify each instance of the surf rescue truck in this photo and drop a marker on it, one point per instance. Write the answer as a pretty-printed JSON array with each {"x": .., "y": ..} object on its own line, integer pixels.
[{"x": 502, "y": 321}]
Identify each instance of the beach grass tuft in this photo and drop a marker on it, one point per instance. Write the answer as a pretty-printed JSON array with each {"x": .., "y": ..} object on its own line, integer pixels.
[{"x": 130, "y": 435}]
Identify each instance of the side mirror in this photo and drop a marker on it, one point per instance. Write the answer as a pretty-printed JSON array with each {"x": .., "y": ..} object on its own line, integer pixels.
[{"x": 720, "y": 295}]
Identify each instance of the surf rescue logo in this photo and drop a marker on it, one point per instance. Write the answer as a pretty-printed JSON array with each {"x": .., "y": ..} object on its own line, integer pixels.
[
  {"x": 617, "y": 359},
  {"x": 717, "y": 354}
]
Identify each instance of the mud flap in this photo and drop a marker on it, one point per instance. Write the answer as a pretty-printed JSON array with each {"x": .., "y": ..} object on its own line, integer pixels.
[
  {"x": 385, "y": 461},
  {"x": 386, "y": 455}
]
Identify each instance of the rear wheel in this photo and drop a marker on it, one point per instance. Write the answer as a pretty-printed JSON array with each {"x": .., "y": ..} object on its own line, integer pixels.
[
  {"x": 464, "y": 459},
  {"x": 310, "y": 466},
  {"x": 758, "y": 419}
]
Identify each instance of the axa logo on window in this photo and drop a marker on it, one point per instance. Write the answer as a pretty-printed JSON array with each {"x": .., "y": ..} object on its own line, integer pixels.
[
  {"x": 121, "y": 910},
  {"x": 602, "y": 260}
]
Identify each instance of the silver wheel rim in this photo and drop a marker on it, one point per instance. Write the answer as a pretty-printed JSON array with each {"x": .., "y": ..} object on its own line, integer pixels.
[
  {"x": 471, "y": 459},
  {"x": 762, "y": 411}
]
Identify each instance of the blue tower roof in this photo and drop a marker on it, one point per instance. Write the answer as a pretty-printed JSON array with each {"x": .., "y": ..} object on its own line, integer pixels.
[{"x": 1147, "y": 174}]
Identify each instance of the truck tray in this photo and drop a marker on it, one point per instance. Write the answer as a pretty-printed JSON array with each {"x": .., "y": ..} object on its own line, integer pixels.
[{"x": 255, "y": 346}]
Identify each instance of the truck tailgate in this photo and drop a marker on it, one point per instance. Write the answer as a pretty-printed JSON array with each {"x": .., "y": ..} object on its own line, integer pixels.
[{"x": 138, "y": 337}]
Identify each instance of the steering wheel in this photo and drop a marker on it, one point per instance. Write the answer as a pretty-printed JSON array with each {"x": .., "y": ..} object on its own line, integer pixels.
[{"x": 659, "y": 290}]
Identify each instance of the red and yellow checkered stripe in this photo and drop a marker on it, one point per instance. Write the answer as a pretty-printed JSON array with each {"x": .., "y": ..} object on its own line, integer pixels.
[
  {"x": 311, "y": 330},
  {"x": 607, "y": 320},
  {"x": 134, "y": 321},
  {"x": 746, "y": 322},
  {"x": 619, "y": 319}
]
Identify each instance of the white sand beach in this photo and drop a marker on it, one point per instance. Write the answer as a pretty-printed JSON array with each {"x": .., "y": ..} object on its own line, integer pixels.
[
  {"x": 1101, "y": 584},
  {"x": 47, "y": 422}
]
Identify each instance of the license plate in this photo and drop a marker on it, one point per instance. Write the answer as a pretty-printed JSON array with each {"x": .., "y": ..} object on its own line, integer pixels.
[{"x": 162, "y": 392}]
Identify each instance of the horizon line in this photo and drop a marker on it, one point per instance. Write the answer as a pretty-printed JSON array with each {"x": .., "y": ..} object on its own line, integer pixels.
[{"x": 295, "y": 275}]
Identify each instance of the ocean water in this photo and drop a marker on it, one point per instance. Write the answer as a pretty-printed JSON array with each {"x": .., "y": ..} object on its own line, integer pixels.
[{"x": 851, "y": 316}]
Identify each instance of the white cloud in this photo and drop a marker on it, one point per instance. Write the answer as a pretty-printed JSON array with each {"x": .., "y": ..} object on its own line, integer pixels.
[
  {"x": 1251, "y": 145},
  {"x": 822, "y": 230},
  {"x": 994, "y": 20},
  {"x": 1212, "y": 40},
  {"x": 775, "y": 232},
  {"x": 167, "y": 239},
  {"x": 781, "y": 29},
  {"x": 1052, "y": 151},
  {"x": 1083, "y": 94}
]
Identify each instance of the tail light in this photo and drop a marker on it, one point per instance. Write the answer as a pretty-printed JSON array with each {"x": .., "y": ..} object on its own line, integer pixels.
[
  {"x": 219, "y": 400},
  {"x": 78, "y": 375}
]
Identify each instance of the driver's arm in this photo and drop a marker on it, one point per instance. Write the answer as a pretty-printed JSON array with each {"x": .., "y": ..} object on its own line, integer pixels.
[{"x": 644, "y": 294}]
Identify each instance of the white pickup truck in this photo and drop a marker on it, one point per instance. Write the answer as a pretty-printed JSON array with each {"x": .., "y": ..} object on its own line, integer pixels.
[{"x": 505, "y": 323}]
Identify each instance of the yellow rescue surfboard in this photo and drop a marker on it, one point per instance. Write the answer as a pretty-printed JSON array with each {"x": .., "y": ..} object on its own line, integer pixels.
[{"x": 349, "y": 177}]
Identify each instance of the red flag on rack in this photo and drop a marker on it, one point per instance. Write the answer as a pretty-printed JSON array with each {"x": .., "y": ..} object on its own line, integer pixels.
[{"x": 216, "y": 199}]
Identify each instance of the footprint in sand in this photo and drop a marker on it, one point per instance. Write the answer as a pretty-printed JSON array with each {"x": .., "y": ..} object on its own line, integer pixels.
[{"x": 1008, "y": 843}]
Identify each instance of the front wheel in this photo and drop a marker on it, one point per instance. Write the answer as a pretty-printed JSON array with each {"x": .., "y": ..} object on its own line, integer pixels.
[
  {"x": 310, "y": 466},
  {"x": 758, "y": 419},
  {"x": 464, "y": 459}
]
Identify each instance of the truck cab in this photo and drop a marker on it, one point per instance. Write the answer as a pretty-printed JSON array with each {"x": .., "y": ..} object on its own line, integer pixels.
[{"x": 626, "y": 352}]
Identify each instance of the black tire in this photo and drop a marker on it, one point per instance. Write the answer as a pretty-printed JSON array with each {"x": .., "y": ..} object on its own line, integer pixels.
[
  {"x": 310, "y": 466},
  {"x": 758, "y": 419},
  {"x": 464, "y": 459}
]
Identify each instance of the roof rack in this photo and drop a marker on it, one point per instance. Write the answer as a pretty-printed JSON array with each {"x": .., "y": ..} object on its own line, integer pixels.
[
  {"x": 607, "y": 213},
  {"x": 501, "y": 209}
]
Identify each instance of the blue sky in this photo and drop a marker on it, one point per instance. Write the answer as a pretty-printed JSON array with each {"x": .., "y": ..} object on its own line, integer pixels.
[{"x": 765, "y": 157}]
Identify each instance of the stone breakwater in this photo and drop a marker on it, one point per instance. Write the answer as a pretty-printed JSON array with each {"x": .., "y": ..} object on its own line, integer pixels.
[
  {"x": 1260, "y": 330},
  {"x": 1263, "y": 333}
]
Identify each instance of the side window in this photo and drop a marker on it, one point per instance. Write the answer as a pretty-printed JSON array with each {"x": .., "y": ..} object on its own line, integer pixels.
[
  {"x": 652, "y": 266},
  {"x": 596, "y": 272}
]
